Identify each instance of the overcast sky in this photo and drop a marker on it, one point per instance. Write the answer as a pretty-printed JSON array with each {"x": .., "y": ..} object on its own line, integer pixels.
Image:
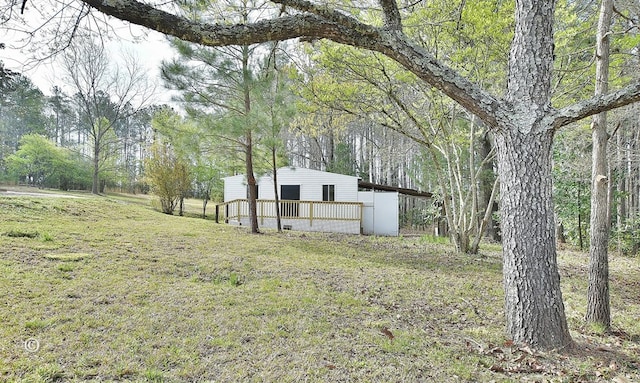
[{"x": 149, "y": 47}]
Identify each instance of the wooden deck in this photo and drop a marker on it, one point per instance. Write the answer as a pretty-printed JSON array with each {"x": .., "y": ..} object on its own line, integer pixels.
[{"x": 334, "y": 216}]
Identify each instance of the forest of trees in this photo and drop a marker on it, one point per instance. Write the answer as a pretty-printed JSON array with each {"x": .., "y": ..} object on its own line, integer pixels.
[
  {"x": 474, "y": 101},
  {"x": 372, "y": 120}
]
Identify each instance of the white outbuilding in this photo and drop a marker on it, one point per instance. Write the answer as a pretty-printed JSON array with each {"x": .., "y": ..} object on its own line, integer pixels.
[{"x": 313, "y": 200}]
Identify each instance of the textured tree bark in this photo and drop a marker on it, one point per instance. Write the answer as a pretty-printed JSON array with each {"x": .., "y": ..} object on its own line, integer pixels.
[
  {"x": 598, "y": 309},
  {"x": 533, "y": 300}
]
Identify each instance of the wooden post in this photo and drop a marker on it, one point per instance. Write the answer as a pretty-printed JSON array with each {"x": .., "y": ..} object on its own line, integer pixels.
[{"x": 361, "y": 204}]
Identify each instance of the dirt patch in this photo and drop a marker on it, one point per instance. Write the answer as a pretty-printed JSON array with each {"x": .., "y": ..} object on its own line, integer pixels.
[{"x": 12, "y": 193}]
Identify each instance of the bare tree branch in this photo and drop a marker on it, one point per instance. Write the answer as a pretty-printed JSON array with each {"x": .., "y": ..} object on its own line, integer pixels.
[
  {"x": 317, "y": 22},
  {"x": 595, "y": 105},
  {"x": 392, "y": 18},
  {"x": 331, "y": 25}
]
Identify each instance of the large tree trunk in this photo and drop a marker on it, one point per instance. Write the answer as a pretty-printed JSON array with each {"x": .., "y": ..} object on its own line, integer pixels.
[
  {"x": 598, "y": 311},
  {"x": 533, "y": 300}
]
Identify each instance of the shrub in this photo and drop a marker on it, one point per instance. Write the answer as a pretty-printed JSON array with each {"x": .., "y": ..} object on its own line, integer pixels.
[{"x": 168, "y": 175}]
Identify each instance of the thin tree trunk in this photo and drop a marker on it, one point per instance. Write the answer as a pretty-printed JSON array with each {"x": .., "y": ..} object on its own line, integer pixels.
[
  {"x": 95, "y": 185},
  {"x": 486, "y": 182},
  {"x": 331, "y": 156},
  {"x": 598, "y": 310},
  {"x": 252, "y": 184},
  {"x": 205, "y": 200},
  {"x": 475, "y": 246},
  {"x": 560, "y": 238},
  {"x": 274, "y": 165},
  {"x": 251, "y": 178},
  {"x": 620, "y": 186},
  {"x": 580, "y": 240}
]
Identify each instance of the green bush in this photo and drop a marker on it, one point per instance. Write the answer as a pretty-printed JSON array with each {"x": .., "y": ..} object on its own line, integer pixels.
[{"x": 39, "y": 162}]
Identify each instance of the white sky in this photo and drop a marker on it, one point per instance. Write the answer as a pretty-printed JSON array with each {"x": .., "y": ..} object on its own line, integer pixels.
[{"x": 149, "y": 47}]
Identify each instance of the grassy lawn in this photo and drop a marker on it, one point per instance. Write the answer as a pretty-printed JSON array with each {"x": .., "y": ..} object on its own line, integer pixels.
[{"x": 107, "y": 289}]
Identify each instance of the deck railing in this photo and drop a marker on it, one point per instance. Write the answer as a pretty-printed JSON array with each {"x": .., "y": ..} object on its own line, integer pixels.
[{"x": 304, "y": 210}]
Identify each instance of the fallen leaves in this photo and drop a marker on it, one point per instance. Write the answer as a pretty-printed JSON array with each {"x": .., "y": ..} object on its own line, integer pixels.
[
  {"x": 515, "y": 360},
  {"x": 511, "y": 359},
  {"x": 385, "y": 331}
]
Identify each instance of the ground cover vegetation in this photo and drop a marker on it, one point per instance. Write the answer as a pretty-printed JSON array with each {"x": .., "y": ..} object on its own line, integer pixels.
[
  {"x": 461, "y": 82},
  {"x": 113, "y": 290}
]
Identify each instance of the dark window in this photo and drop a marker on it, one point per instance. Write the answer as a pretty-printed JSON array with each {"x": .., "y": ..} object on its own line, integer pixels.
[
  {"x": 328, "y": 192},
  {"x": 290, "y": 192},
  {"x": 289, "y": 195},
  {"x": 249, "y": 195}
]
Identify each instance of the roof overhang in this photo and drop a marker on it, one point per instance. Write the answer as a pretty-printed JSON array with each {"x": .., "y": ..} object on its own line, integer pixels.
[{"x": 406, "y": 191}]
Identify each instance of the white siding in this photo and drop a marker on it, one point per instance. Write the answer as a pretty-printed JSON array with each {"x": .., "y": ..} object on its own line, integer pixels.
[
  {"x": 310, "y": 181},
  {"x": 367, "y": 199},
  {"x": 380, "y": 214},
  {"x": 235, "y": 187}
]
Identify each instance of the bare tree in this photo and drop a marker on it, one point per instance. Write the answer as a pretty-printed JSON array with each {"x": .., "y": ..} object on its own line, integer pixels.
[{"x": 107, "y": 94}]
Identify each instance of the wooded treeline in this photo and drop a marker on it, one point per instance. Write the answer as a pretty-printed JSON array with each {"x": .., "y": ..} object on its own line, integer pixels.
[
  {"x": 64, "y": 159},
  {"x": 347, "y": 111}
]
